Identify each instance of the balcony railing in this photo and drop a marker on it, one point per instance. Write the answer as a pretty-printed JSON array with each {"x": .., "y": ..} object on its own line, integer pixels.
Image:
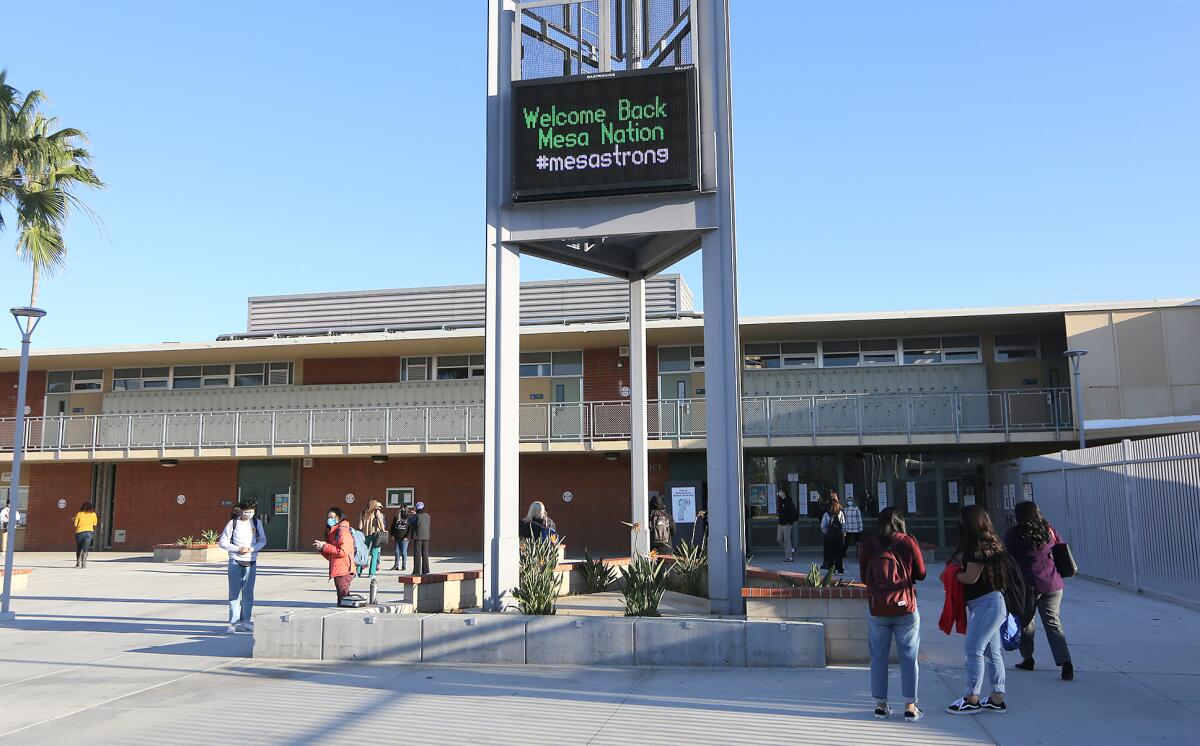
[{"x": 767, "y": 417}]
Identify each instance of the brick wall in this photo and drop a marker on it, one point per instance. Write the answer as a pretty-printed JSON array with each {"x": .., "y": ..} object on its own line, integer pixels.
[
  {"x": 452, "y": 489},
  {"x": 144, "y": 503},
  {"x": 35, "y": 393},
  {"x": 602, "y": 379},
  {"x": 49, "y": 527},
  {"x": 351, "y": 370}
]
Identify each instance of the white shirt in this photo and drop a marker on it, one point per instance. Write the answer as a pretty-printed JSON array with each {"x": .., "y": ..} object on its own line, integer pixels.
[
  {"x": 4, "y": 515},
  {"x": 239, "y": 533}
]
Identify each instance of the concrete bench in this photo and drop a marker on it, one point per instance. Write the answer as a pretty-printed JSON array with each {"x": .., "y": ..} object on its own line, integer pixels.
[{"x": 443, "y": 591}]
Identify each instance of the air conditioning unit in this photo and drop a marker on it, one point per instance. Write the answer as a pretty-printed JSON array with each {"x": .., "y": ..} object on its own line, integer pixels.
[
  {"x": 308, "y": 462},
  {"x": 623, "y": 351}
]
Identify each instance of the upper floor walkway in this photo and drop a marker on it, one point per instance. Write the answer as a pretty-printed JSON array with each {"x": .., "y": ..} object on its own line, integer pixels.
[{"x": 767, "y": 421}]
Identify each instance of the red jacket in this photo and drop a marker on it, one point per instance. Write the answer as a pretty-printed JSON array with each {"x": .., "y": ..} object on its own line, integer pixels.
[
  {"x": 954, "y": 610},
  {"x": 339, "y": 550}
]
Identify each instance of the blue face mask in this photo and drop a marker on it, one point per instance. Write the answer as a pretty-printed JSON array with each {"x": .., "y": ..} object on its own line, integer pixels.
[{"x": 331, "y": 522}]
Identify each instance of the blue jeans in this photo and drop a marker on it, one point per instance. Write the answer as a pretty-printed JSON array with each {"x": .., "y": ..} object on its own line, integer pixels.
[
  {"x": 985, "y": 615},
  {"x": 906, "y": 629},
  {"x": 400, "y": 550},
  {"x": 241, "y": 592}
]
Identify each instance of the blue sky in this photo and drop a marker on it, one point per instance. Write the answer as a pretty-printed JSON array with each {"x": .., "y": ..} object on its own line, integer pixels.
[{"x": 888, "y": 155}]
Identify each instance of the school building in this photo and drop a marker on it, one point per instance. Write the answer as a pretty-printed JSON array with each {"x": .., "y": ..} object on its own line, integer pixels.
[{"x": 338, "y": 398}]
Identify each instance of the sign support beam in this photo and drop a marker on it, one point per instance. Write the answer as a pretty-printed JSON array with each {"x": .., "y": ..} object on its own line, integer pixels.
[{"x": 639, "y": 466}]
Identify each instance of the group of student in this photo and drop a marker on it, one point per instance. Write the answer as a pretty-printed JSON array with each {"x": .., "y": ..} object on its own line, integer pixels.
[
  {"x": 841, "y": 527},
  {"x": 992, "y": 588}
]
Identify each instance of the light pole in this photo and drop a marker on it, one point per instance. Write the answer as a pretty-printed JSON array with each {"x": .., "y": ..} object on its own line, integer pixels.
[
  {"x": 27, "y": 319},
  {"x": 1074, "y": 356}
]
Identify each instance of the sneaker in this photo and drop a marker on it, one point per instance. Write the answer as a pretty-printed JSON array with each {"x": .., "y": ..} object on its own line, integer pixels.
[
  {"x": 246, "y": 627},
  {"x": 1025, "y": 665},
  {"x": 1068, "y": 671},
  {"x": 961, "y": 706},
  {"x": 990, "y": 706},
  {"x": 883, "y": 712},
  {"x": 913, "y": 715},
  {"x": 231, "y": 629},
  {"x": 789, "y": 559}
]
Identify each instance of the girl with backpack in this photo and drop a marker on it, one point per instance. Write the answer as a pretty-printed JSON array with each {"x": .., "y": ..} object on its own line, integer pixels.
[
  {"x": 833, "y": 526},
  {"x": 1031, "y": 543},
  {"x": 891, "y": 564},
  {"x": 373, "y": 524},
  {"x": 662, "y": 528},
  {"x": 984, "y": 578},
  {"x": 243, "y": 537},
  {"x": 399, "y": 531}
]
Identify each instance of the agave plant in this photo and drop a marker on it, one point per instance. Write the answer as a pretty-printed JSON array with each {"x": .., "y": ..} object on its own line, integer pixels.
[
  {"x": 597, "y": 574},
  {"x": 210, "y": 537},
  {"x": 537, "y": 591},
  {"x": 690, "y": 562},
  {"x": 185, "y": 541},
  {"x": 645, "y": 581}
]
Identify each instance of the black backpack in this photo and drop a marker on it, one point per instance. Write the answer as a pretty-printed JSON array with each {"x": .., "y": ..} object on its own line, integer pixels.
[{"x": 1019, "y": 596}]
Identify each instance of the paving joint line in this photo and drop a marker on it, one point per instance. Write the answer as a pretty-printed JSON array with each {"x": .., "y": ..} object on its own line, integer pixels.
[{"x": 613, "y": 714}]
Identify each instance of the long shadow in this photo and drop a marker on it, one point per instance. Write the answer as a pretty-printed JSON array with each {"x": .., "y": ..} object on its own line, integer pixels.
[{"x": 173, "y": 601}]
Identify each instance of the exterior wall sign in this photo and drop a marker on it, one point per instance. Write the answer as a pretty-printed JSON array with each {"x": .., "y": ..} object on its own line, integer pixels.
[
  {"x": 683, "y": 504},
  {"x": 181, "y": 499},
  {"x": 605, "y": 134},
  {"x": 62, "y": 504}
]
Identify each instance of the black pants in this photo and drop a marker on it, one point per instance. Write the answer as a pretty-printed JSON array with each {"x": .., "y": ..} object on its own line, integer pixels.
[
  {"x": 83, "y": 543},
  {"x": 835, "y": 551},
  {"x": 420, "y": 554}
]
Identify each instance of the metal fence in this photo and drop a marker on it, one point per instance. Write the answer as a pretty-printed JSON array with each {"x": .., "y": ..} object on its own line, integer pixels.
[
  {"x": 1127, "y": 510},
  {"x": 763, "y": 417}
]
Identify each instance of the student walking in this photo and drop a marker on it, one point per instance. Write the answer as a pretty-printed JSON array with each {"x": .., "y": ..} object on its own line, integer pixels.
[
  {"x": 243, "y": 537},
  {"x": 891, "y": 564},
  {"x": 833, "y": 526},
  {"x": 399, "y": 531},
  {"x": 981, "y": 555},
  {"x": 788, "y": 515},
  {"x": 662, "y": 528},
  {"x": 85, "y": 527},
  {"x": 373, "y": 523},
  {"x": 1031, "y": 542},
  {"x": 338, "y": 548},
  {"x": 419, "y": 538}
]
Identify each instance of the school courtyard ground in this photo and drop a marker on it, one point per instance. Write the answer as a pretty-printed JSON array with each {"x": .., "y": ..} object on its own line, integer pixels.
[{"x": 132, "y": 652}]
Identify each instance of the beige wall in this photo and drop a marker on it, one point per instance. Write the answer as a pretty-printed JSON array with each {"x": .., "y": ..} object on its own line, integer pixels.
[{"x": 1140, "y": 363}]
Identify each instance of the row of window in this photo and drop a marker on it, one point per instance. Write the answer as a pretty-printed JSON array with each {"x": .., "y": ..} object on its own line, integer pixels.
[
  {"x": 172, "y": 377},
  {"x": 849, "y": 353},
  {"x": 459, "y": 367}
]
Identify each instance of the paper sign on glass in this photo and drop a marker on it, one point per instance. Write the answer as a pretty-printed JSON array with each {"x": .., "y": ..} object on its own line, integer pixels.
[
  {"x": 953, "y": 487},
  {"x": 969, "y": 498},
  {"x": 683, "y": 504},
  {"x": 881, "y": 489},
  {"x": 911, "y": 489},
  {"x": 793, "y": 477},
  {"x": 814, "y": 496},
  {"x": 771, "y": 505}
]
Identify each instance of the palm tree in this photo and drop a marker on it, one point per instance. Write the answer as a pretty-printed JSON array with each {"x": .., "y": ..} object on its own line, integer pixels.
[{"x": 40, "y": 167}]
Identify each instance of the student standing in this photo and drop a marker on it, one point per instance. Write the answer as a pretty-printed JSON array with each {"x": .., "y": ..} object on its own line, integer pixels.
[
  {"x": 662, "y": 528},
  {"x": 373, "y": 523},
  {"x": 85, "y": 527},
  {"x": 1030, "y": 542},
  {"x": 399, "y": 531},
  {"x": 338, "y": 548},
  {"x": 981, "y": 555},
  {"x": 833, "y": 526},
  {"x": 537, "y": 523},
  {"x": 891, "y": 564},
  {"x": 419, "y": 538},
  {"x": 788, "y": 514},
  {"x": 243, "y": 537}
]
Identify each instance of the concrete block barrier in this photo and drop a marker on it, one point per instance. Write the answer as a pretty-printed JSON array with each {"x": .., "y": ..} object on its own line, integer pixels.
[
  {"x": 294, "y": 634},
  {"x": 371, "y": 636},
  {"x": 601, "y": 641},
  {"x": 471, "y": 638},
  {"x": 689, "y": 642},
  {"x": 785, "y": 644}
]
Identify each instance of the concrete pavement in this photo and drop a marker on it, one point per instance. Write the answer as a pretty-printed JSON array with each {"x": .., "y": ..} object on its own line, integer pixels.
[{"x": 131, "y": 652}]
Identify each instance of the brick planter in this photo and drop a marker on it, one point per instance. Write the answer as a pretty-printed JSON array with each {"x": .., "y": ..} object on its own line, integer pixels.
[
  {"x": 842, "y": 611},
  {"x": 190, "y": 553},
  {"x": 20, "y": 578},
  {"x": 443, "y": 591}
]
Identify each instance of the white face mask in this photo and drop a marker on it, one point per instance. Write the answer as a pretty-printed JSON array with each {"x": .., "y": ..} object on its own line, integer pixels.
[{"x": 247, "y": 515}]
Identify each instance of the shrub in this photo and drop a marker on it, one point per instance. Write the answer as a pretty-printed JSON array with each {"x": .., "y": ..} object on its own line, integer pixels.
[
  {"x": 690, "y": 563},
  {"x": 645, "y": 581},
  {"x": 210, "y": 537},
  {"x": 597, "y": 575},
  {"x": 538, "y": 588},
  {"x": 185, "y": 541}
]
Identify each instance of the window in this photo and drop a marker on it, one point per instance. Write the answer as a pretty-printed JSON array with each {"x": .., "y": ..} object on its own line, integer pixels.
[
  {"x": 415, "y": 369},
  {"x": 459, "y": 367},
  {"x": 680, "y": 359},
  {"x": 878, "y": 351},
  {"x": 249, "y": 374},
  {"x": 217, "y": 376},
  {"x": 535, "y": 364},
  {"x": 770, "y": 355},
  {"x": 961, "y": 349},
  {"x": 187, "y": 377},
  {"x": 566, "y": 363},
  {"x": 839, "y": 354},
  {"x": 922, "y": 350},
  {"x": 761, "y": 356},
  {"x": 64, "y": 381},
  {"x": 1017, "y": 347},
  {"x": 799, "y": 354}
]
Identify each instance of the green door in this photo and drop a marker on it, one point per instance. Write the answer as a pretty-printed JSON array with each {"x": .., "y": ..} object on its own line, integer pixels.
[{"x": 269, "y": 483}]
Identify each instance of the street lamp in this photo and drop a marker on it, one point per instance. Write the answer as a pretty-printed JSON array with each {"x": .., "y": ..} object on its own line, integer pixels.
[
  {"x": 1074, "y": 356},
  {"x": 27, "y": 319}
]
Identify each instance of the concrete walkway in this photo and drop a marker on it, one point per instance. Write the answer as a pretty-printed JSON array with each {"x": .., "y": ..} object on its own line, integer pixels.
[{"x": 132, "y": 653}]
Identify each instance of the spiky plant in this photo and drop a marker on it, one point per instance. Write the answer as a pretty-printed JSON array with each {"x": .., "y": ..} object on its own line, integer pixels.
[
  {"x": 537, "y": 591},
  {"x": 598, "y": 575}
]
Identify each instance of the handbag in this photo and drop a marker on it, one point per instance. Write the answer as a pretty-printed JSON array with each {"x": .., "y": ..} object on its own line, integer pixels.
[
  {"x": 1064, "y": 561},
  {"x": 1010, "y": 633}
]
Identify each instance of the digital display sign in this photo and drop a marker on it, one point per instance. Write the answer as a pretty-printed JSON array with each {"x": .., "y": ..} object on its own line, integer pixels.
[{"x": 605, "y": 134}]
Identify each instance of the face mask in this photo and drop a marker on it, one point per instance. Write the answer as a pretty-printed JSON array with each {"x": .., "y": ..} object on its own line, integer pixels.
[
  {"x": 331, "y": 522},
  {"x": 247, "y": 515}
]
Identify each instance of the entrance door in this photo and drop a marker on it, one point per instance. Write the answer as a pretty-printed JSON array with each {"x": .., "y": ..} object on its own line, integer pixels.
[
  {"x": 269, "y": 483},
  {"x": 566, "y": 414}
]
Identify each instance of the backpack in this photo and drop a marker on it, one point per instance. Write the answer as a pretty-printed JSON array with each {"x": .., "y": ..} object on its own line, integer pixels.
[
  {"x": 1019, "y": 597},
  {"x": 260, "y": 534},
  {"x": 661, "y": 527},
  {"x": 890, "y": 592},
  {"x": 362, "y": 555}
]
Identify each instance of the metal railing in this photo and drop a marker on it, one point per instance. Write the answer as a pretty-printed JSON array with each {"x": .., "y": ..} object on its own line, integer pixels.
[{"x": 762, "y": 417}]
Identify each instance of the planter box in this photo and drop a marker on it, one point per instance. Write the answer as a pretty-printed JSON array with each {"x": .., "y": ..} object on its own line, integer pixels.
[
  {"x": 190, "y": 553},
  {"x": 842, "y": 611},
  {"x": 443, "y": 591},
  {"x": 20, "y": 578}
]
